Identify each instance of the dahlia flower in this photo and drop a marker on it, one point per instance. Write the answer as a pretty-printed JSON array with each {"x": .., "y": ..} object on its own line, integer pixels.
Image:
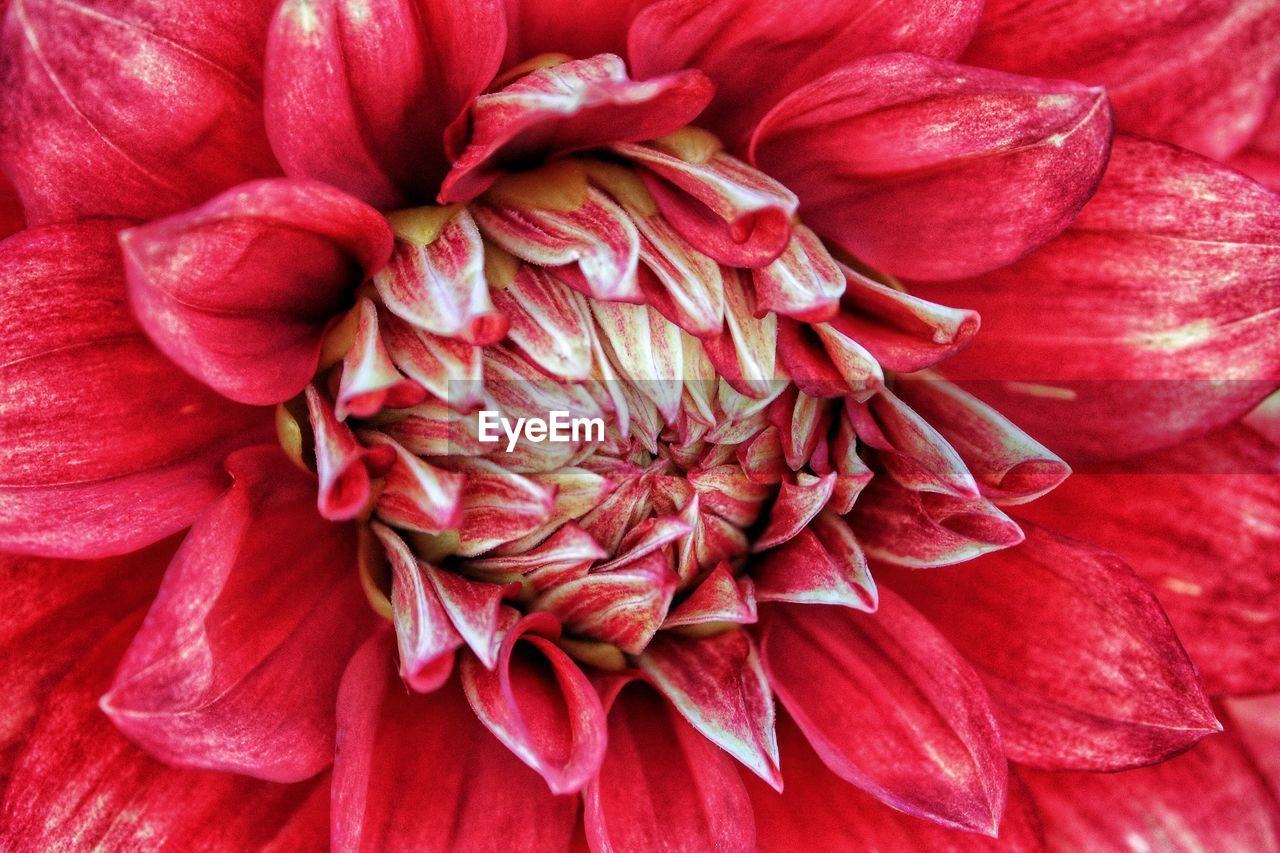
[{"x": 267, "y": 584}]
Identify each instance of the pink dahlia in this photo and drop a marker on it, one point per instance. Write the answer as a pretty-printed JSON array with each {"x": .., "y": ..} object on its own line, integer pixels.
[{"x": 276, "y": 269}]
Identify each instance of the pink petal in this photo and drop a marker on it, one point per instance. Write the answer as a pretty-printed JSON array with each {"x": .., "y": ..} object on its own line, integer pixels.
[
  {"x": 450, "y": 369},
  {"x": 623, "y": 606},
  {"x": 1201, "y": 524},
  {"x": 652, "y": 753},
  {"x": 1190, "y": 250},
  {"x": 399, "y": 747},
  {"x": 927, "y": 169},
  {"x": 1256, "y": 721},
  {"x": 369, "y": 377},
  {"x": 820, "y": 811},
  {"x": 195, "y": 688},
  {"x": 345, "y": 488},
  {"x": 1209, "y": 799},
  {"x": 718, "y": 686},
  {"x": 135, "y": 109},
  {"x": 805, "y": 282},
  {"x": 581, "y": 103},
  {"x": 757, "y": 53},
  {"x": 535, "y": 27},
  {"x": 1260, "y": 159},
  {"x": 1198, "y": 74},
  {"x": 79, "y": 784},
  {"x": 569, "y": 552},
  {"x": 540, "y": 704},
  {"x": 1082, "y": 666},
  {"x": 915, "y": 454},
  {"x": 891, "y": 707},
  {"x": 499, "y": 506},
  {"x": 358, "y": 95},
  {"x": 108, "y": 447},
  {"x": 238, "y": 291},
  {"x": 549, "y": 322},
  {"x": 718, "y": 598},
  {"x": 821, "y": 564},
  {"x": 416, "y": 495},
  {"x": 796, "y": 505}
]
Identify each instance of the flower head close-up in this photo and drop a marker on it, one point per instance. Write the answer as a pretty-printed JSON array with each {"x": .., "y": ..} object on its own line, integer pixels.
[{"x": 692, "y": 425}]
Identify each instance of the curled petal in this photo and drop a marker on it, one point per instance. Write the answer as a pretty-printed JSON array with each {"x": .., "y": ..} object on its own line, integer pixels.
[
  {"x": 745, "y": 353},
  {"x": 718, "y": 685},
  {"x": 539, "y": 703},
  {"x": 88, "y": 131},
  {"x": 928, "y": 169},
  {"x": 891, "y": 707},
  {"x": 499, "y": 506},
  {"x": 623, "y": 606},
  {"x": 399, "y": 746},
  {"x": 369, "y": 377},
  {"x": 107, "y": 446},
  {"x": 416, "y": 495},
  {"x": 568, "y": 553},
  {"x": 358, "y": 94},
  {"x": 915, "y": 453},
  {"x": 805, "y": 282},
  {"x": 340, "y": 462},
  {"x": 1192, "y": 250},
  {"x": 823, "y": 564},
  {"x": 194, "y": 689},
  {"x": 795, "y": 507},
  {"x": 449, "y": 369},
  {"x": 1083, "y": 668},
  {"x": 581, "y": 103},
  {"x": 549, "y": 322},
  {"x": 238, "y": 291},
  {"x": 718, "y": 598}
]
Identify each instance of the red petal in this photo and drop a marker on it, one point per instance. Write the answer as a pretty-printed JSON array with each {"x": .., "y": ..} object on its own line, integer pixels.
[
  {"x": 757, "y": 53},
  {"x": 1209, "y": 799},
  {"x": 80, "y": 785},
  {"x": 927, "y": 169},
  {"x": 198, "y": 689},
  {"x": 56, "y": 611},
  {"x": 820, "y": 811},
  {"x": 652, "y": 753},
  {"x": 416, "y": 495},
  {"x": 1199, "y": 74},
  {"x": 535, "y": 27},
  {"x": 578, "y": 104},
  {"x": 1260, "y": 159},
  {"x": 718, "y": 598},
  {"x": 238, "y": 291},
  {"x": 718, "y": 685},
  {"x": 1201, "y": 524},
  {"x": 369, "y": 377},
  {"x": 622, "y": 606},
  {"x": 1168, "y": 276},
  {"x": 134, "y": 109},
  {"x": 108, "y": 447},
  {"x": 540, "y": 704},
  {"x": 1257, "y": 721},
  {"x": 1082, "y": 666},
  {"x": 358, "y": 94},
  {"x": 399, "y": 748},
  {"x": 820, "y": 565},
  {"x": 549, "y": 322},
  {"x": 12, "y": 219},
  {"x": 891, "y": 707},
  {"x": 344, "y": 491}
]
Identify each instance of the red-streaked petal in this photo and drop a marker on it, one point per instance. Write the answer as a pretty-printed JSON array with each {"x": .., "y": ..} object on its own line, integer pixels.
[
  {"x": 822, "y": 564},
  {"x": 914, "y": 453},
  {"x": 398, "y": 748},
  {"x": 1191, "y": 250},
  {"x": 1083, "y": 668},
  {"x": 1198, "y": 74},
  {"x": 136, "y": 109},
  {"x": 757, "y": 53},
  {"x": 578, "y": 104},
  {"x": 796, "y": 505},
  {"x": 80, "y": 784},
  {"x": 499, "y": 506},
  {"x": 891, "y": 707},
  {"x": 549, "y": 322},
  {"x": 108, "y": 447},
  {"x": 1209, "y": 799},
  {"x": 239, "y": 290},
  {"x": 928, "y": 169},
  {"x": 820, "y": 811},
  {"x": 623, "y": 606},
  {"x": 345, "y": 487},
  {"x": 416, "y": 495},
  {"x": 541, "y": 705},
  {"x": 718, "y": 598},
  {"x": 718, "y": 685},
  {"x": 358, "y": 94},
  {"x": 804, "y": 282},
  {"x": 450, "y": 369},
  {"x": 652, "y": 752},
  {"x": 198, "y": 689},
  {"x": 369, "y": 376},
  {"x": 922, "y": 530},
  {"x": 435, "y": 279},
  {"x": 1201, "y": 524}
]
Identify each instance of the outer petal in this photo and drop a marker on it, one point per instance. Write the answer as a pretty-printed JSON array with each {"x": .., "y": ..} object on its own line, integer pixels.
[
  {"x": 130, "y": 108},
  {"x": 820, "y": 811},
  {"x": 653, "y": 752},
  {"x": 467, "y": 791},
  {"x": 1082, "y": 666},
  {"x": 239, "y": 290},
  {"x": 358, "y": 94},
  {"x": 1199, "y": 73},
  {"x": 107, "y": 446},
  {"x": 1201, "y": 524},
  {"x": 55, "y": 612},
  {"x": 890, "y": 707},
  {"x": 81, "y": 785},
  {"x": 1154, "y": 318},
  {"x": 757, "y": 52},
  {"x": 12, "y": 218},
  {"x": 536, "y": 27},
  {"x": 237, "y": 666},
  {"x": 1260, "y": 159},
  {"x": 1209, "y": 799},
  {"x": 927, "y": 169}
]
